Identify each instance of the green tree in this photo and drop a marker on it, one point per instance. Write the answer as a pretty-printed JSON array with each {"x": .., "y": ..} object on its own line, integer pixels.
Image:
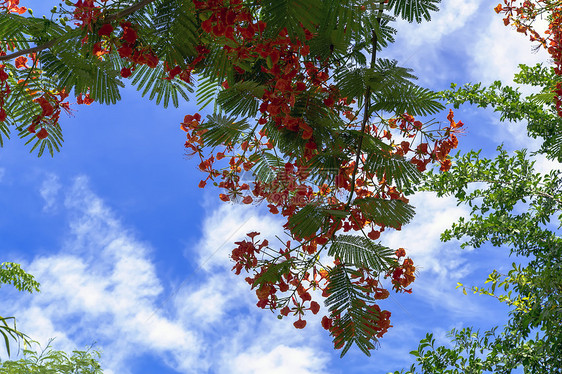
[
  {"x": 517, "y": 208},
  {"x": 51, "y": 361},
  {"x": 45, "y": 360},
  {"x": 13, "y": 274}
]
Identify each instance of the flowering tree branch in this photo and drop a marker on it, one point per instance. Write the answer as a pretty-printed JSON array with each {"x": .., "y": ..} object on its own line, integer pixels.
[{"x": 51, "y": 43}]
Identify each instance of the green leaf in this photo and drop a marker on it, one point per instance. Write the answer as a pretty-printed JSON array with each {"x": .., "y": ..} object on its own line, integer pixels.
[
  {"x": 414, "y": 10},
  {"x": 307, "y": 221},
  {"x": 361, "y": 252},
  {"x": 222, "y": 130},
  {"x": 392, "y": 213}
]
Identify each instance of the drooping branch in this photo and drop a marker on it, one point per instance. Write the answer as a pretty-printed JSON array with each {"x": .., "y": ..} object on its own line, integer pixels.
[{"x": 51, "y": 43}]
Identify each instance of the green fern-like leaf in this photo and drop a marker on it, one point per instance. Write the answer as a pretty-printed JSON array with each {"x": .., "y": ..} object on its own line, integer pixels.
[
  {"x": 274, "y": 272},
  {"x": 414, "y": 10},
  {"x": 266, "y": 166},
  {"x": 410, "y": 99},
  {"x": 175, "y": 28},
  {"x": 241, "y": 98},
  {"x": 307, "y": 221},
  {"x": 290, "y": 14},
  {"x": 348, "y": 301},
  {"x": 74, "y": 72},
  {"x": 223, "y": 130},
  {"x": 207, "y": 91},
  {"x": 52, "y": 143},
  {"x": 163, "y": 90},
  {"x": 395, "y": 169},
  {"x": 392, "y": 213},
  {"x": 361, "y": 252}
]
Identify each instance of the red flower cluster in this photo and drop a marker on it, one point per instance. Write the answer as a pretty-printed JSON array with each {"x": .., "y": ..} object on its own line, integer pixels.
[
  {"x": 127, "y": 45},
  {"x": 403, "y": 274},
  {"x": 429, "y": 149},
  {"x": 4, "y": 89},
  {"x": 523, "y": 17},
  {"x": 12, "y": 6},
  {"x": 86, "y": 12},
  {"x": 290, "y": 78},
  {"x": 51, "y": 105}
]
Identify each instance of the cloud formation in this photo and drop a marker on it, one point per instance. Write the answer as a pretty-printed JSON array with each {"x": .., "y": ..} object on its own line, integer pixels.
[{"x": 102, "y": 286}]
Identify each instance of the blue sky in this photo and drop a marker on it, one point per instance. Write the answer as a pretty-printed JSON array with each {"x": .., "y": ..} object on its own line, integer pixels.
[{"x": 133, "y": 256}]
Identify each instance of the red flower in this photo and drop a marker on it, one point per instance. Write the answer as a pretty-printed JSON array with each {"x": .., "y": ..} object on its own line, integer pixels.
[
  {"x": 326, "y": 323},
  {"x": 314, "y": 307},
  {"x": 300, "y": 324},
  {"x": 98, "y": 50},
  {"x": 151, "y": 60},
  {"x": 42, "y": 134},
  {"x": 445, "y": 165},
  {"x": 126, "y": 72},
  {"x": 129, "y": 35},
  {"x": 3, "y": 115},
  {"x": 105, "y": 30},
  {"x": 374, "y": 235},
  {"x": 45, "y": 106},
  {"x": 21, "y": 62},
  {"x": 253, "y": 234},
  {"x": 329, "y": 102},
  {"x": 125, "y": 51},
  {"x": 3, "y": 75}
]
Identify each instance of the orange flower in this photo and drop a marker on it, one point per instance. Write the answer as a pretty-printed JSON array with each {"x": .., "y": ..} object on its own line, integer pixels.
[
  {"x": 21, "y": 62},
  {"x": 445, "y": 165}
]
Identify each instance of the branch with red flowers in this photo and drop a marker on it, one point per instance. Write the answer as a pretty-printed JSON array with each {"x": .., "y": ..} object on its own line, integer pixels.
[{"x": 51, "y": 43}]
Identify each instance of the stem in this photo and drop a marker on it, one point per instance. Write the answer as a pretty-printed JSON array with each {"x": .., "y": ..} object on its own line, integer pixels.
[
  {"x": 51, "y": 43},
  {"x": 365, "y": 115}
]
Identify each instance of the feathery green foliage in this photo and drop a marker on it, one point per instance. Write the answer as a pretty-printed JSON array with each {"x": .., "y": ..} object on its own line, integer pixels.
[{"x": 361, "y": 252}]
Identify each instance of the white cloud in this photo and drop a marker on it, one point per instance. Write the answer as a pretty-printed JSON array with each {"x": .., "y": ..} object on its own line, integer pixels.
[
  {"x": 421, "y": 237},
  {"x": 451, "y": 17},
  {"x": 279, "y": 360},
  {"x": 49, "y": 191},
  {"x": 228, "y": 224},
  {"x": 499, "y": 50},
  {"x": 440, "y": 265},
  {"x": 102, "y": 286},
  {"x": 544, "y": 165}
]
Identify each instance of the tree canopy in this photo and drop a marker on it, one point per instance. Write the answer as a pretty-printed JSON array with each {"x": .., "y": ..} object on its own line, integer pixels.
[{"x": 313, "y": 121}]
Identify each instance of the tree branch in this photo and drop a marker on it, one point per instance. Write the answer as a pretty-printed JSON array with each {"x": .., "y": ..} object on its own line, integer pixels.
[
  {"x": 51, "y": 43},
  {"x": 365, "y": 113},
  {"x": 531, "y": 192}
]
